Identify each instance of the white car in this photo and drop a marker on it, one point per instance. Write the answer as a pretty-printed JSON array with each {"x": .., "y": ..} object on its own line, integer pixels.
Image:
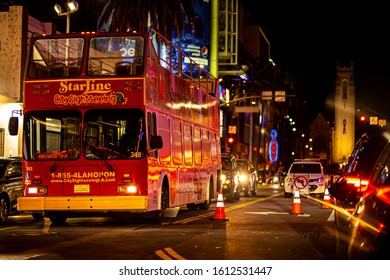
[{"x": 307, "y": 176}]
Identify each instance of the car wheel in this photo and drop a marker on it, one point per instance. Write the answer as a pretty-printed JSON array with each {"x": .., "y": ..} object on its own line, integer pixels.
[
  {"x": 4, "y": 209},
  {"x": 230, "y": 195},
  {"x": 287, "y": 195}
]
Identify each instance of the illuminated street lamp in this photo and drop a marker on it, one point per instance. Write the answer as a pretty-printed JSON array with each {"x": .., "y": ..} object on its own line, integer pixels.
[{"x": 71, "y": 7}]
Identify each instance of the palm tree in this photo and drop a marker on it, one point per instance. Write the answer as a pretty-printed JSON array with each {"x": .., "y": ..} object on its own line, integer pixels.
[{"x": 135, "y": 15}]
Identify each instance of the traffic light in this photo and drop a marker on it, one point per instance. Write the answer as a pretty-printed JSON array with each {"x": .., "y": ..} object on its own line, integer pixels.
[
  {"x": 363, "y": 118},
  {"x": 231, "y": 140}
]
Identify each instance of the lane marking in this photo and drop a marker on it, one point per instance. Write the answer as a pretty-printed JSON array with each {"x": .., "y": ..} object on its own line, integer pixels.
[
  {"x": 171, "y": 254},
  {"x": 268, "y": 213},
  {"x": 7, "y": 228},
  {"x": 231, "y": 208}
]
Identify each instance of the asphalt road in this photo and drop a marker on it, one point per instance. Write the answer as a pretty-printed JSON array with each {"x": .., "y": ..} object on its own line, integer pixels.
[{"x": 257, "y": 228}]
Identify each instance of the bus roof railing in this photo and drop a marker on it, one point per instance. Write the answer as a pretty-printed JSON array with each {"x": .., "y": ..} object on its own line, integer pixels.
[{"x": 203, "y": 79}]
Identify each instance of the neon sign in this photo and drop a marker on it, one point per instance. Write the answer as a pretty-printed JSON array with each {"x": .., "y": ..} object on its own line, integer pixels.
[{"x": 273, "y": 147}]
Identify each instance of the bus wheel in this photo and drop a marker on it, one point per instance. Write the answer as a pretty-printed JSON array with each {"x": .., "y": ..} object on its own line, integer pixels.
[
  {"x": 57, "y": 219},
  {"x": 192, "y": 206},
  {"x": 164, "y": 205},
  {"x": 205, "y": 205},
  {"x": 37, "y": 216}
]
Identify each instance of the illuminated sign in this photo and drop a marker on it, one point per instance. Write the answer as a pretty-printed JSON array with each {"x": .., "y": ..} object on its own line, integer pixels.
[{"x": 273, "y": 147}]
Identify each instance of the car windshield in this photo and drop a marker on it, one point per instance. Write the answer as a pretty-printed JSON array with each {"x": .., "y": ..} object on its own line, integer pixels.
[
  {"x": 226, "y": 163},
  {"x": 305, "y": 168}
]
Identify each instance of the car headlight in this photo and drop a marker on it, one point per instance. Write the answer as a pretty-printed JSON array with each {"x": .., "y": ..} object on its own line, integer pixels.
[
  {"x": 243, "y": 178},
  {"x": 289, "y": 179}
]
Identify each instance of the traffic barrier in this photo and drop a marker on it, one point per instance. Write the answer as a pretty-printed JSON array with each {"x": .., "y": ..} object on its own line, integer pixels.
[
  {"x": 327, "y": 200},
  {"x": 297, "y": 207},
  {"x": 220, "y": 208}
]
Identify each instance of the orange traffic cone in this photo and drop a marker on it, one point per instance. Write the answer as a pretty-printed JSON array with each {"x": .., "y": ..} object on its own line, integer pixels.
[
  {"x": 220, "y": 208},
  {"x": 327, "y": 201},
  {"x": 297, "y": 207}
]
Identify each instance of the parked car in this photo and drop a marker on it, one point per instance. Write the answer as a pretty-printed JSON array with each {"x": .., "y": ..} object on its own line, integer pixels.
[
  {"x": 11, "y": 186},
  {"x": 352, "y": 182},
  {"x": 247, "y": 177},
  {"x": 370, "y": 223},
  {"x": 230, "y": 178},
  {"x": 307, "y": 176}
]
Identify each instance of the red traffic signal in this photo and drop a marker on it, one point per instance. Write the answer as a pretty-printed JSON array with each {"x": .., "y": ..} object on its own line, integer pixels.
[
  {"x": 231, "y": 140},
  {"x": 362, "y": 118}
]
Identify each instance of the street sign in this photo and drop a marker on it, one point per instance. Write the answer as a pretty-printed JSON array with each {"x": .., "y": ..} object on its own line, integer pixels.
[
  {"x": 247, "y": 109},
  {"x": 280, "y": 96},
  {"x": 374, "y": 120},
  {"x": 301, "y": 182},
  {"x": 232, "y": 129},
  {"x": 266, "y": 95}
]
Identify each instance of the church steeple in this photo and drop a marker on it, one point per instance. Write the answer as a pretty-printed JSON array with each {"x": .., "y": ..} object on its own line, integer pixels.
[{"x": 344, "y": 113}]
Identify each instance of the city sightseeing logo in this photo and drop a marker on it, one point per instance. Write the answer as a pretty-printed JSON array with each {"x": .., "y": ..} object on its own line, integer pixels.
[{"x": 87, "y": 93}]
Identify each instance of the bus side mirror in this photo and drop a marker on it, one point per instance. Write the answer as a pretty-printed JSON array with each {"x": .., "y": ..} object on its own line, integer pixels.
[
  {"x": 156, "y": 142},
  {"x": 13, "y": 126}
]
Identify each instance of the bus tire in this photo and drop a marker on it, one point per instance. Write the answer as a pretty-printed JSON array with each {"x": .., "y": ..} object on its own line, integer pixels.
[
  {"x": 37, "y": 217},
  {"x": 57, "y": 218},
  {"x": 206, "y": 204},
  {"x": 192, "y": 206},
  {"x": 159, "y": 215}
]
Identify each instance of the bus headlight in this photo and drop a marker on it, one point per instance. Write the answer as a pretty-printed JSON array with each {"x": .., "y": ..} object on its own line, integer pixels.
[
  {"x": 38, "y": 190},
  {"x": 127, "y": 189}
]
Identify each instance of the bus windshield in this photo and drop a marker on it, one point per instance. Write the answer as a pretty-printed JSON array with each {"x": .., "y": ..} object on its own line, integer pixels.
[
  {"x": 52, "y": 135},
  {"x": 114, "y": 134}
]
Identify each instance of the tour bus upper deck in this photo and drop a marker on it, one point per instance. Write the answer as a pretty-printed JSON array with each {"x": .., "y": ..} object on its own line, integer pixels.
[
  {"x": 101, "y": 54},
  {"x": 57, "y": 56}
]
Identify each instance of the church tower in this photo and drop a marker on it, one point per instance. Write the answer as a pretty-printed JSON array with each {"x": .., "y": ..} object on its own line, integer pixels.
[{"x": 344, "y": 134}]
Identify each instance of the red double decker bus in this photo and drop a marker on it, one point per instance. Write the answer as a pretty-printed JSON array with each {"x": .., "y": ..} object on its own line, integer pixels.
[{"x": 113, "y": 123}]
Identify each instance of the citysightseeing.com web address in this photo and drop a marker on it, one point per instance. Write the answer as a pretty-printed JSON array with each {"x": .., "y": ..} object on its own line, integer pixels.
[{"x": 83, "y": 181}]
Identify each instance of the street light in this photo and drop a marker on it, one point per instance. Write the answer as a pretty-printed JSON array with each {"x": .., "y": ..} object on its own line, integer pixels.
[{"x": 71, "y": 7}]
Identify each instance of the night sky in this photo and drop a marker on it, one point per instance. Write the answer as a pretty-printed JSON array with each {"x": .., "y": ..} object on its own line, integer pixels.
[{"x": 310, "y": 39}]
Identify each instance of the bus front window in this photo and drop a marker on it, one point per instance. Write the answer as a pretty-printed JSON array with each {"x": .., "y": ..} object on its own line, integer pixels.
[
  {"x": 56, "y": 58},
  {"x": 114, "y": 134},
  {"x": 52, "y": 135},
  {"x": 116, "y": 55}
]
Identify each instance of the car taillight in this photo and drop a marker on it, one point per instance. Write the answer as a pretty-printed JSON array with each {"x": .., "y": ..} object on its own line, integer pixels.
[
  {"x": 359, "y": 183},
  {"x": 383, "y": 193}
]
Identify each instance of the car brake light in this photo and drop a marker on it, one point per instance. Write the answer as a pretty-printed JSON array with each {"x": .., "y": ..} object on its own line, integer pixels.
[
  {"x": 358, "y": 183},
  {"x": 383, "y": 193}
]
